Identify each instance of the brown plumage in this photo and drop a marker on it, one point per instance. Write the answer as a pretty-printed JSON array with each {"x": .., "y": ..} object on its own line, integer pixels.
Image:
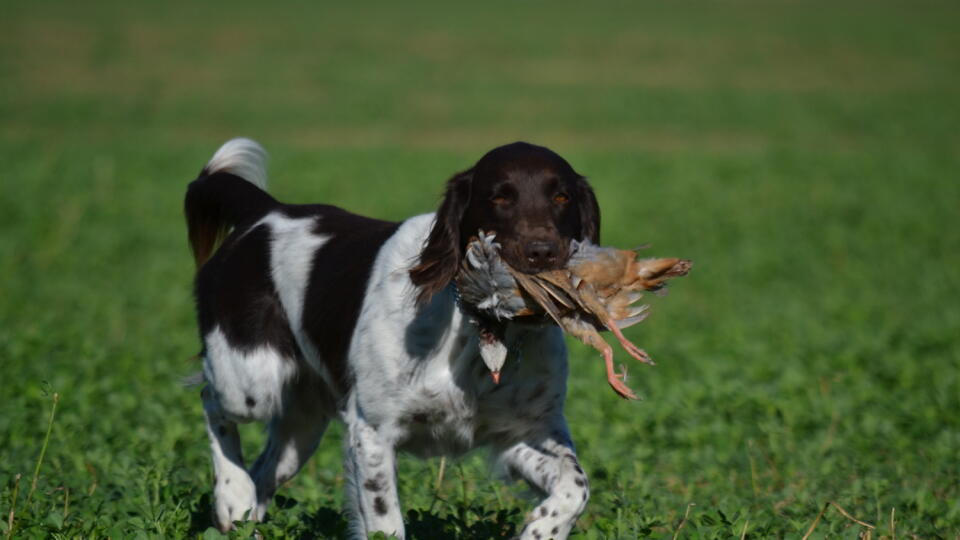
[{"x": 597, "y": 290}]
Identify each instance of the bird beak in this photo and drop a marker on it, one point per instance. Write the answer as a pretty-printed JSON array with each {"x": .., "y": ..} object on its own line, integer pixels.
[{"x": 495, "y": 375}]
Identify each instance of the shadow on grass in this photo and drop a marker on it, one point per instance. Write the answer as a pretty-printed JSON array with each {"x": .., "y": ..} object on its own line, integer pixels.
[
  {"x": 423, "y": 525},
  {"x": 472, "y": 523},
  {"x": 201, "y": 517},
  {"x": 426, "y": 525}
]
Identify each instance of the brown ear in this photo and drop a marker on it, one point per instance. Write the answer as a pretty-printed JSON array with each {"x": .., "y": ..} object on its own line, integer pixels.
[
  {"x": 589, "y": 212},
  {"x": 440, "y": 258}
]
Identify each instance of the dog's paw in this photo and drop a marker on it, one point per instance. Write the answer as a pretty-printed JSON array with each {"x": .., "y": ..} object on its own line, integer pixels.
[{"x": 235, "y": 498}]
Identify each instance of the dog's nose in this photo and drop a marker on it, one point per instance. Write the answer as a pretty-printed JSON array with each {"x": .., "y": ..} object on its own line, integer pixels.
[{"x": 540, "y": 254}]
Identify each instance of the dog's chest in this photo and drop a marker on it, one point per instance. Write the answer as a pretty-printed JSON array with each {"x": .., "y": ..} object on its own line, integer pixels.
[
  {"x": 450, "y": 411},
  {"x": 417, "y": 371}
]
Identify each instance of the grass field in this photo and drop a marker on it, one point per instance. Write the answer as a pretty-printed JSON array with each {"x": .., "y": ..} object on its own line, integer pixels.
[{"x": 804, "y": 154}]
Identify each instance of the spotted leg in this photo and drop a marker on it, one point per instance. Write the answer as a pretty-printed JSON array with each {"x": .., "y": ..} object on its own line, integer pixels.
[
  {"x": 370, "y": 469},
  {"x": 234, "y": 493},
  {"x": 550, "y": 464}
]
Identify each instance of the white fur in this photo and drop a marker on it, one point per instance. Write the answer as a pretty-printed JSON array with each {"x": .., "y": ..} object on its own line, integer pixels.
[
  {"x": 292, "y": 248},
  {"x": 240, "y": 378},
  {"x": 242, "y": 157}
]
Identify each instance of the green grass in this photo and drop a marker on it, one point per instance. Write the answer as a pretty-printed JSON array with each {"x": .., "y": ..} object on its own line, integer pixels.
[{"x": 804, "y": 154}]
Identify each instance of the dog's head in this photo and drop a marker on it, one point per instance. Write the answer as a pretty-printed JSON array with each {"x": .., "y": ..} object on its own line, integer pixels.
[{"x": 529, "y": 196}]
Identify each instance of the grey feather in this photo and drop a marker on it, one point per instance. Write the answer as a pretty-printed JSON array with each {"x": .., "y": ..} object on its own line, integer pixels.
[
  {"x": 485, "y": 283},
  {"x": 585, "y": 251}
]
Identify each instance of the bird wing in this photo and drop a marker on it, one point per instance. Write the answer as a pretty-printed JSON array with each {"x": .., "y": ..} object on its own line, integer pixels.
[{"x": 540, "y": 295}]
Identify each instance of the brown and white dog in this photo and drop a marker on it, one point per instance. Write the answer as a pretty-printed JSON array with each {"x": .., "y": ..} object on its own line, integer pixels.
[{"x": 309, "y": 313}]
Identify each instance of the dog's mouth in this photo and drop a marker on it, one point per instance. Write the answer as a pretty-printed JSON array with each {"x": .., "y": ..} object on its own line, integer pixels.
[
  {"x": 514, "y": 255},
  {"x": 531, "y": 267},
  {"x": 519, "y": 256}
]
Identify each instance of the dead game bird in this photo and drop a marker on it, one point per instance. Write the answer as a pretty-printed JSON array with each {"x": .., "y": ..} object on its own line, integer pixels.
[
  {"x": 597, "y": 290},
  {"x": 488, "y": 289}
]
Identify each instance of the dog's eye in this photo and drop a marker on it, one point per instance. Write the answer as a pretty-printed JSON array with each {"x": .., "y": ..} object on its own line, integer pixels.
[
  {"x": 561, "y": 198},
  {"x": 499, "y": 200}
]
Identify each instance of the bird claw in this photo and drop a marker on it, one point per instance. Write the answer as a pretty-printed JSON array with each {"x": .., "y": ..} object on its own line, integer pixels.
[
  {"x": 618, "y": 382},
  {"x": 619, "y": 387},
  {"x": 638, "y": 353},
  {"x": 616, "y": 379}
]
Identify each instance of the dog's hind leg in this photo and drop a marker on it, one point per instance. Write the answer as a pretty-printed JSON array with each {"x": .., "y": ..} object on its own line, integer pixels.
[
  {"x": 294, "y": 435},
  {"x": 233, "y": 492}
]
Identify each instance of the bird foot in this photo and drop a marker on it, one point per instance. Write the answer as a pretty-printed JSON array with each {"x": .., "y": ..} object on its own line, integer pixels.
[
  {"x": 628, "y": 345},
  {"x": 615, "y": 379},
  {"x": 622, "y": 390}
]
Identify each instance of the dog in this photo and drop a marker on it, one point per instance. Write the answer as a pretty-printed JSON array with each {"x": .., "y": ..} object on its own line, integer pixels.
[{"x": 309, "y": 313}]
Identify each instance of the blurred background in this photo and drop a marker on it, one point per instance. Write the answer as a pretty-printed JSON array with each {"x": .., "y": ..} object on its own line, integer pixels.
[{"x": 804, "y": 154}]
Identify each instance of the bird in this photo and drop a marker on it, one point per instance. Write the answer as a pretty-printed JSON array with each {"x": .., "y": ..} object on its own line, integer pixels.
[
  {"x": 488, "y": 291},
  {"x": 596, "y": 290}
]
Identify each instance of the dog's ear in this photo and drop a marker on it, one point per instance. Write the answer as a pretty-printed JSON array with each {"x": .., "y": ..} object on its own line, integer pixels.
[
  {"x": 589, "y": 212},
  {"x": 440, "y": 257}
]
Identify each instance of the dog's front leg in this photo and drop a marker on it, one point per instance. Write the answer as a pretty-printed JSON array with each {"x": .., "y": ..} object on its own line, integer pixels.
[
  {"x": 371, "y": 481},
  {"x": 550, "y": 463}
]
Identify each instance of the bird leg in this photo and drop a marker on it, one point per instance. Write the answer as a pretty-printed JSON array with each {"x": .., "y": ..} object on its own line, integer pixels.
[
  {"x": 593, "y": 304},
  {"x": 591, "y": 337},
  {"x": 616, "y": 379},
  {"x": 628, "y": 345}
]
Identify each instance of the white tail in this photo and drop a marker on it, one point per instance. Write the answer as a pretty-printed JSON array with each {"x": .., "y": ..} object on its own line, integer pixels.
[{"x": 241, "y": 157}]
